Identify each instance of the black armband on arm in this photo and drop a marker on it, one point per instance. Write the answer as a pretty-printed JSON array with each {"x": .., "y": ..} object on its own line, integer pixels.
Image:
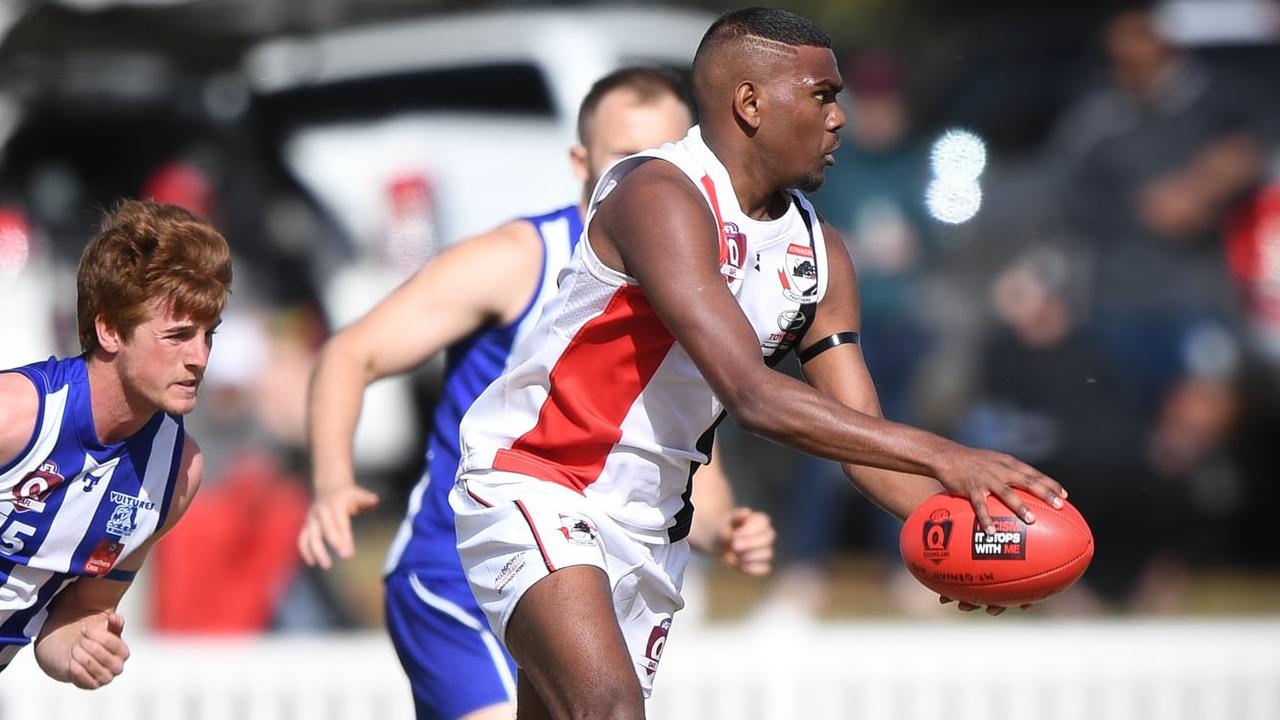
[{"x": 826, "y": 343}]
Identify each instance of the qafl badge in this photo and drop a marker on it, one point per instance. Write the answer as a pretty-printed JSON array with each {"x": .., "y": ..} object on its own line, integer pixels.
[{"x": 937, "y": 536}]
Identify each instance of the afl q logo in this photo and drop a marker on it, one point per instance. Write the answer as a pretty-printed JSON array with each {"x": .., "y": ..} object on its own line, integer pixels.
[
  {"x": 657, "y": 641},
  {"x": 937, "y": 536},
  {"x": 36, "y": 486}
]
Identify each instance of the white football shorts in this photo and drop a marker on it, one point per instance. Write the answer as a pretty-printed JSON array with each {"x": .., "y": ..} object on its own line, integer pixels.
[{"x": 514, "y": 530}]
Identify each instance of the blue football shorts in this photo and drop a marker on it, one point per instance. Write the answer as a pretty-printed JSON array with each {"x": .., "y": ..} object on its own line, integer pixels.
[{"x": 454, "y": 662}]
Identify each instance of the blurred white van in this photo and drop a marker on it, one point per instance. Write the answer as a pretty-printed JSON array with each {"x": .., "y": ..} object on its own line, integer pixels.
[
  {"x": 411, "y": 135},
  {"x": 470, "y": 115}
]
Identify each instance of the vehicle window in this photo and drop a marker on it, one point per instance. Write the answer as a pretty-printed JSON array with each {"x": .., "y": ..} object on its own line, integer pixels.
[{"x": 509, "y": 89}]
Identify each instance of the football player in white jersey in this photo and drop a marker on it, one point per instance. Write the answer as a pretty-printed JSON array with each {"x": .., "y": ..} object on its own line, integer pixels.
[
  {"x": 669, "y": 294},
  {"x": 94, "y": 464},
  {"x": 455, "y": 666}
]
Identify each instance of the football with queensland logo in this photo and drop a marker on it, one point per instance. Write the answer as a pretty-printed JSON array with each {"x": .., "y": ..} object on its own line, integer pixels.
[
  {"x": 944, "y": 547},
  {"x": 937, "y": 536}
]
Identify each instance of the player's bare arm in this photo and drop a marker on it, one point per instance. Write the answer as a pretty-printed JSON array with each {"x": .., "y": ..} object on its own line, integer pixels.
[
  {"x": 19, "y": 406},
  {"x": 487, "y": 279},
  {"x": 82, "y": 641},
  {"x": 841, "y": 374},
  {"x": 674, "y": 257}
]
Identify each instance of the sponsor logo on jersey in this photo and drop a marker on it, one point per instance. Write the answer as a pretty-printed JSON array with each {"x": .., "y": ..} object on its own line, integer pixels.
[
  {"x": 578, "y": 529},
  {"x": 799, "y": 275},
  {"x": 32, "y": 490},
  {"x": 937, "y": 536},
  {"x": 653, "y": 649},
  {"x": 103, "y": 557},
  {"x": 791, "y": 320},
  {"x": 93, "y": 477},
  {"x": 778, "y": 340},
  {"x": 508, "y": 571},
  {"x": 1007, "y": 542},
  {"x": 733, "y": 252}
]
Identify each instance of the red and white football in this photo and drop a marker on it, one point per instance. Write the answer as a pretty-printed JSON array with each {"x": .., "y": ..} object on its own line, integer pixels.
[{"x": 948, "y": 553}]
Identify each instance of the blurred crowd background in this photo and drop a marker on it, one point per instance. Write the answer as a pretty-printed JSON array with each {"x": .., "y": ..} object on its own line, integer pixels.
[{"x": 1065, "y": 218}]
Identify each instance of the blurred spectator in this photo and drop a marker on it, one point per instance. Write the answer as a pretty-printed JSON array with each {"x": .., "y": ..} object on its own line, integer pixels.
[
  {"x": 241, "y": 543},
  {"x": 28, "y": 328},
  {"x": 1048, "y": 392},
  {"x": 242, "y": 530},
  {"x": 1253, "y": 251},
  {"x": 181, "y": 183},
  {"x": 1149, "y": 167}
]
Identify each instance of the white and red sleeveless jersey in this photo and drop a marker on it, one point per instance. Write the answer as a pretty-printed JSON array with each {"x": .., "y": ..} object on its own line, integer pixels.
[{"x": 600, "y": 397}]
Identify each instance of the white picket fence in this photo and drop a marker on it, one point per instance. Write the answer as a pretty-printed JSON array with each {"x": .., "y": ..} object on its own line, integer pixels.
[{"x": 974, "y": 669}]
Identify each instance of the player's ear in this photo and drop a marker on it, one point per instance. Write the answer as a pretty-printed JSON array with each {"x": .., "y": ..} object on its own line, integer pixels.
[
  {"x": 746, "y": 104},
  {"x": 578, "y": 159},
  {"x": 108, "y": 337}
]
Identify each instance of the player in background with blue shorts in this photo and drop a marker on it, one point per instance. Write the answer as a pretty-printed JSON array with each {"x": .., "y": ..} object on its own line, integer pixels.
[
  {"x": 94, "y": 463},
  {"x": 476, "y": 299}
]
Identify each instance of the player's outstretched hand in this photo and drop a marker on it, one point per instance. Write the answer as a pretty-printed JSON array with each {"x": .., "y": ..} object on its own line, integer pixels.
[
  {"x": 975, "y": 474},
  {"x": 328, "y": 524},
  {"x": 963, "y": 606},
  {"x": 99, "y": 653},
  {"x": 745, "y": 541}
]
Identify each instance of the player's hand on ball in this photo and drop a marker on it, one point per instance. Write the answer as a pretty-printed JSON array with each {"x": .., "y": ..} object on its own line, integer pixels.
[
  {"x": 745, "y": 541},
  {"x": 992, "y": 610},
  {"x": 99, "y": 653},
  {"x": 975, "y": 474},
  {"x": 328, "y": 524}
]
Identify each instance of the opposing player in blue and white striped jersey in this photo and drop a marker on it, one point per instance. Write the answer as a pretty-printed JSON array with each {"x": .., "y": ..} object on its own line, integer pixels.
[
  {"x": 476, "y": 299},
  {"x": 94, "y": 463}
]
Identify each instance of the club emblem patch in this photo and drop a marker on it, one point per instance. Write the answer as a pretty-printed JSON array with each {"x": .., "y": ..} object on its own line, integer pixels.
[
  {"x": 124, "y": 516},
  {"x": 578, "y": 529},
  {"x": 799, "y": 276}
]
